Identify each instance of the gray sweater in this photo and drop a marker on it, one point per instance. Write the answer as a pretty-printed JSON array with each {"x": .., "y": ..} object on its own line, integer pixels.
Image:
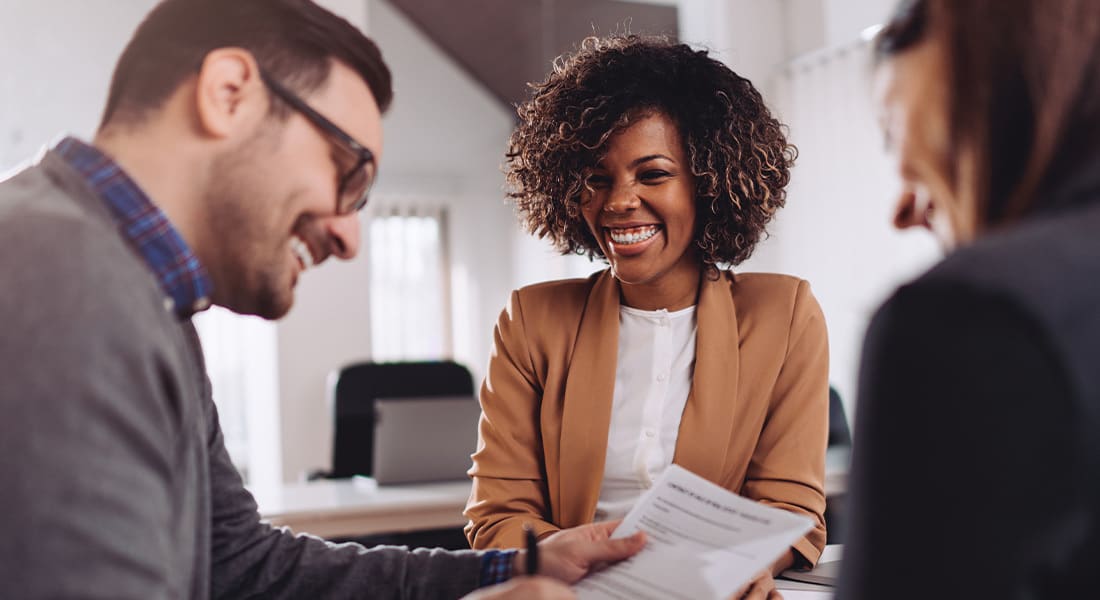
[{"x": 115, "y": 478}]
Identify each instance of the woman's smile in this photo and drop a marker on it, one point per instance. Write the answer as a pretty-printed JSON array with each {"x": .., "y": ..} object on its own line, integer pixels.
[{"x": 630, "y": 241}]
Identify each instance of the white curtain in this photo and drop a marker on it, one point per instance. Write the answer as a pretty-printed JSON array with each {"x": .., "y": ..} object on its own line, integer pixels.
[
  {"x": 409, "y": 284},
  {"x": 241, "y": 358}
]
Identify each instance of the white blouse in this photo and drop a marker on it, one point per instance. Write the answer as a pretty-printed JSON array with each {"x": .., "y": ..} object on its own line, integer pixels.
[{"x": 652, "y": 381}]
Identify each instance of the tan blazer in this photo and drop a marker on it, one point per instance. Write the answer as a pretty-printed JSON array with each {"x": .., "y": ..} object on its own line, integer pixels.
[{"x": 756, "y": 421}]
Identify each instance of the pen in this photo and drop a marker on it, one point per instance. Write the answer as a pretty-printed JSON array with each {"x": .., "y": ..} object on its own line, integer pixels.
[{"x": 532, "y": 550}]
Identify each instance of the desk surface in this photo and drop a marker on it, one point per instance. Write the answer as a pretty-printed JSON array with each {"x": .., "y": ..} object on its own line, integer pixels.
[
  {"x": 358, "y": 506},
  {"x": 340, "y": 508}
]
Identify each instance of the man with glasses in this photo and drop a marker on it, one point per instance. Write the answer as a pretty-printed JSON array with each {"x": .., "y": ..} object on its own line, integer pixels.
[{"x": 239, "y": 140}]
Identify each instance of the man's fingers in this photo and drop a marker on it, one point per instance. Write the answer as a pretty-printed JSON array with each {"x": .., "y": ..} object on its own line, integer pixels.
[
  {"x": 616, "y": 550},
  {"x": 606, "y": 528},
  {"x": 755, "y": 591},
  {"x": 755, "y": 594},
  {"x": 760, "y": 588}
]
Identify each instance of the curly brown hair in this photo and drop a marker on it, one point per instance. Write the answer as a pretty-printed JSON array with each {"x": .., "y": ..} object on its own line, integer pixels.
[{"x": 739, "y": 154}]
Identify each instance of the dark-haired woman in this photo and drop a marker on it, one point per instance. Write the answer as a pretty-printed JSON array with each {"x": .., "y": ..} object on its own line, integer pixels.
[
  {"x": 666, "y": 164},
  {"x": 977, "y": 456}
]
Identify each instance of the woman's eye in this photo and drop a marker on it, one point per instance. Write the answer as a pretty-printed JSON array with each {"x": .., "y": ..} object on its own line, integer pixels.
[{"x": 653, "y": 176}]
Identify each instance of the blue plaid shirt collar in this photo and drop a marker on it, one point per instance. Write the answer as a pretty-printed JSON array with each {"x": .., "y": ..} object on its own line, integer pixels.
[{"x": 145, "y": 226}]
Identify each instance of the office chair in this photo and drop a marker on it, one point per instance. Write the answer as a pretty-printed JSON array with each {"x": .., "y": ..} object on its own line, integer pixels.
[
  {"x": 839, "y": 433},
  {"x": 352, "y": 398},
  {"x": 840, "y": 444},
  {"x": 356, "y": 388}
]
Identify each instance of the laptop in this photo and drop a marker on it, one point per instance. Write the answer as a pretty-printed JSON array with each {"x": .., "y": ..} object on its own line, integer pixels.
[
  {"x": 825, "y": 573},
  {"x": 424, "y": 439}
]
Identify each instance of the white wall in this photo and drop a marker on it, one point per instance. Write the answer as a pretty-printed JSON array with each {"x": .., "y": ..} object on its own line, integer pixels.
[
  {"x": 56, "y": 59},
  {"x": 804, "y": 26}
]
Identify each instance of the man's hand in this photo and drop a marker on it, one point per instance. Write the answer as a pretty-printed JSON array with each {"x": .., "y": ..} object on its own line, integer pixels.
[
  {"x": 760, "y": 588},
  {"x": 571, "y": 554},
  {"x": 524, "y": 588}
]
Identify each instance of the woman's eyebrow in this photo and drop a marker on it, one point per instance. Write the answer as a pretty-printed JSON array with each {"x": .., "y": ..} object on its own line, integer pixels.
[{"x": 647, "y": 158}]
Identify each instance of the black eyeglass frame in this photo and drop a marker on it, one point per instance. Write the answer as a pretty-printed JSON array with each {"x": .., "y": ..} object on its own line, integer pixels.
[{"x": 364, "y": 155}]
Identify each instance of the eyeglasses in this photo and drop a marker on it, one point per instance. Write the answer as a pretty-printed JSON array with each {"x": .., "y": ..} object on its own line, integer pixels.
[{"x": 355, "y": 184}]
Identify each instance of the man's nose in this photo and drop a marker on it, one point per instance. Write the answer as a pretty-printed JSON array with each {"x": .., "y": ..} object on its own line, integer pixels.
[{"x": 342, "y": 235}]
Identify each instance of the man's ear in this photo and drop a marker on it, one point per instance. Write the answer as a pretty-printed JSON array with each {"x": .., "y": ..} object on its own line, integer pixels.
[{"x": 229, "y": 93}]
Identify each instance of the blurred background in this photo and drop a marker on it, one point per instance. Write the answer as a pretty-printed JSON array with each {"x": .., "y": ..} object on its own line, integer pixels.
[{"x": 442, "y": 247}]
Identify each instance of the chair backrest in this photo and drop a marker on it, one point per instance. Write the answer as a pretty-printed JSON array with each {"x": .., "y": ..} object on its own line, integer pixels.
[
  {"x": 358, "y": 385},
  {"x": 839, "y": 432}
]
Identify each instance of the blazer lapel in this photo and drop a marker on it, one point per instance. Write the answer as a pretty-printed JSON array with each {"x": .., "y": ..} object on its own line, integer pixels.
[
  {"x": 707, "y": 423},
  {"x": 586, "y": 414}
]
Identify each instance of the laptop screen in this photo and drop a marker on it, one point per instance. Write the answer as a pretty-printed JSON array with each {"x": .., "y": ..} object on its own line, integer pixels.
[{"x": 424, "y": 439}]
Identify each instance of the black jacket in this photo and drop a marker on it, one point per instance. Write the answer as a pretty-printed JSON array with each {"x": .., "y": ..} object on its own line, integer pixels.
[{"x": 976, "y": 463}]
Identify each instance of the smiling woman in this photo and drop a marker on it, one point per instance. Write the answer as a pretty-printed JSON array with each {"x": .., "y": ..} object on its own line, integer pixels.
[{"x": 666, "y": 164}]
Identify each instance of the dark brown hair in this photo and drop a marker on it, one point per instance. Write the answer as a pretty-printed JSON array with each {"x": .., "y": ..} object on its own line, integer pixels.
[
  {"x": 293, "y": 40},
  {"x": 739, "y": 154},
  {"x": 1024, "y": 95}
]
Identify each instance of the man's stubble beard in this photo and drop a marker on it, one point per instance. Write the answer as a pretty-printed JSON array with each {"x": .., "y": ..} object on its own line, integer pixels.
[{"x": 252, "y": 275}]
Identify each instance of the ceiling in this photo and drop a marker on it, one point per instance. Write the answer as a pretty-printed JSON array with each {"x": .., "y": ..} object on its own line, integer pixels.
[{"x": 505, "y": 44}]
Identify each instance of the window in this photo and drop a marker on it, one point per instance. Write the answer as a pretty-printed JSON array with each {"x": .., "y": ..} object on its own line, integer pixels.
[
  {"x": 409, "y": 285},
  {"x": 241, "y": 359}
]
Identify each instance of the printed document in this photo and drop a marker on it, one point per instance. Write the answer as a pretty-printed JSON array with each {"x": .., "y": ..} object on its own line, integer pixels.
[{"x": 703, "y": 542}]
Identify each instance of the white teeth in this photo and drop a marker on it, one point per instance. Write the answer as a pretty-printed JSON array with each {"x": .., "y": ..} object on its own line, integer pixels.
[
  {"x": 301, "y": 250},
  {"x": 633, "y": 235}
]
